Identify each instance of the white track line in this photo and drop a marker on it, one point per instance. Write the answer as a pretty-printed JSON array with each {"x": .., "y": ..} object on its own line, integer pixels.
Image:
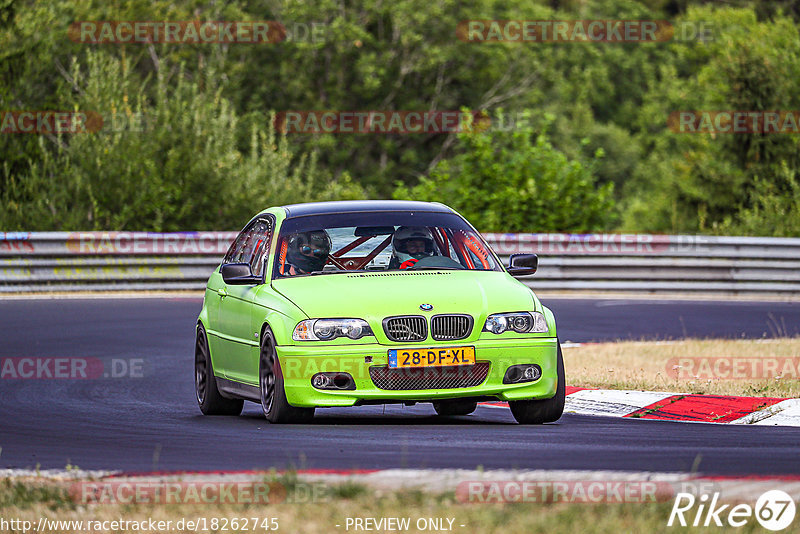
[
  {"x": 611, "y": 402},
  {"x": 784, "y": 413}
]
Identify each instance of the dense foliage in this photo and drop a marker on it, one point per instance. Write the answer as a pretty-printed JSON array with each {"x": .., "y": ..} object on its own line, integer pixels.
[
  {"x": 578, "y": 139},
  {"x": 515, "y": 181}
]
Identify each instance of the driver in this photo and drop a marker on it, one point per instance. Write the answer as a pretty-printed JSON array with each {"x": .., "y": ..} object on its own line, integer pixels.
[
  {"x": 307, "y": 252},
  {"x": 409, "y": 245}
]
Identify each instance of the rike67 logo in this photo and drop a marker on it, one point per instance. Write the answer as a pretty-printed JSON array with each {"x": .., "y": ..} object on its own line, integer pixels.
[{"x": 774, "y": 510}]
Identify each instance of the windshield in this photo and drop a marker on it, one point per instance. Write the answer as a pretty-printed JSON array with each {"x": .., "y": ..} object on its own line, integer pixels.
[{"x": 380, "y": 241}]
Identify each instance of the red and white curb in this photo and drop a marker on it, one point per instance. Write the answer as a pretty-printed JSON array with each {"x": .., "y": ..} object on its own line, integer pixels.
[{"x": 681, "y": 407}]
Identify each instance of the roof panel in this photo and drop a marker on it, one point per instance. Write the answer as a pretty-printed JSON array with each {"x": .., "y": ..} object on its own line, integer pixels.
[{"x": 350, "y": 206}]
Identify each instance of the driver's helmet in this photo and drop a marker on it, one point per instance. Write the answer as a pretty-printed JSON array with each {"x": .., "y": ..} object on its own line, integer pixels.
[
  {"x": 308, "y": 251},
  {"x": 406, "y": 235}
]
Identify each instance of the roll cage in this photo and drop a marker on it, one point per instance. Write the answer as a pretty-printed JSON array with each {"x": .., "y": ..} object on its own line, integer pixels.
[{"x": 467, "y": 250}]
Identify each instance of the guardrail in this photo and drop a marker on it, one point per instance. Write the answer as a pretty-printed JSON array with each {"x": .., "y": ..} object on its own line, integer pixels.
[{"x": 103, "y": 261}]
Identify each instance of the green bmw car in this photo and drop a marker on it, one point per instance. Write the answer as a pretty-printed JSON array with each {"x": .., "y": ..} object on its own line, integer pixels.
[{"x": 336, "y": 304}]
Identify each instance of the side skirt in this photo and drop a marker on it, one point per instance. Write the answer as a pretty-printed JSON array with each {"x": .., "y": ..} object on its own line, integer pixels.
[{"x": 237, "y": 390}]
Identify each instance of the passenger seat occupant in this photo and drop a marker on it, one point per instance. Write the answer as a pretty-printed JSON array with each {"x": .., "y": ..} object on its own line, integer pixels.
[
  {"x": 307, "y": 251},
  {"x": 409, "y": 245}
]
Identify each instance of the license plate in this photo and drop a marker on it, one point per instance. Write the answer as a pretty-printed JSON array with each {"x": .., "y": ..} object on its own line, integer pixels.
[{"x": 431, "y": 357}]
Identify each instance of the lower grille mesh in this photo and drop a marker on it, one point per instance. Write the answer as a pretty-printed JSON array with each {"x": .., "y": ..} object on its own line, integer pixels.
[{"x": 453, "y": 377}]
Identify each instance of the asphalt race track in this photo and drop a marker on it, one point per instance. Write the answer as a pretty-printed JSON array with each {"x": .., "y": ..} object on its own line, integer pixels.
[{"x": 153, "y": 423}]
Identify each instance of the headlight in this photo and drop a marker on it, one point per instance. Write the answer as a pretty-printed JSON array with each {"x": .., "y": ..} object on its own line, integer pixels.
[
  {"x": 522, "y": 322},
  {"x": 327, "y": 329}
]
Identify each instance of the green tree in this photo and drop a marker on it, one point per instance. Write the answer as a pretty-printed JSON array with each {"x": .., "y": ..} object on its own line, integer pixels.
[
  {"x": 401, "y": 55},
  {"x": 696, "y": 182},
  {"x": 175, "y": 163},
  {"x": 516, "y": 181}
]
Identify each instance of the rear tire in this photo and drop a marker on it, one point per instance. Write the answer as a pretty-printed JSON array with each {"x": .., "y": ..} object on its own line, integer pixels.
[
  {"x": 538, "y": 411},
  {"x": 205, "y": 384},
  {"x": 273, "y": 395},
  {"x": 455, "y": 407}
]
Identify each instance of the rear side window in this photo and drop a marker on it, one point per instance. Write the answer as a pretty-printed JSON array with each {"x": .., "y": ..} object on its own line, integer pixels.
[{"x": 252, "y": 245}]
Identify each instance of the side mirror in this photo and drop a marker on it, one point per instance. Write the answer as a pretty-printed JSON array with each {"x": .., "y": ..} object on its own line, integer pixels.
[
  {"x": 522, "y": 264},
  {"x": 238, "y": 274}
]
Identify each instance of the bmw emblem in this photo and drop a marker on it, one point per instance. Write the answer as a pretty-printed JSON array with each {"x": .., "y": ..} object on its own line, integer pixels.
[{"x": 426, "y": 307}]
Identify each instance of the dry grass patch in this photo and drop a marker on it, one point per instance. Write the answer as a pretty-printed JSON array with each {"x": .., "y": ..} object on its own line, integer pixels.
[
  {"x": 29, "y": 501},
  {"x": 757, "y": 368}
]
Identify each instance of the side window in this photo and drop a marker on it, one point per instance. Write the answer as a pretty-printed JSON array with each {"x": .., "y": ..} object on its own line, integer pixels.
[
  {"x": 252, "y": 245},
  {"x": 260, "y": 250},
  {"x": 236, "y": 246}
]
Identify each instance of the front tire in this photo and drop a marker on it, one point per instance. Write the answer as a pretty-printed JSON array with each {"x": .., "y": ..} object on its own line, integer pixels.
[
  {"x": 205, "y": 383},
  {"x": 273, "y": 395},
  {"x": 538, "y": 411},
  {"x": 455, "y": 407}
]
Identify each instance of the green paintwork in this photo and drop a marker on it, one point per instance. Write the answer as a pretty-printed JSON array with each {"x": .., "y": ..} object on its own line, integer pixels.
[{"x": 234, "y": 323}]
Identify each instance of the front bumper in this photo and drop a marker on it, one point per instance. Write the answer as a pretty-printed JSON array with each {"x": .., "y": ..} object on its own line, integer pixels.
[{"x": 300, "y": 362}]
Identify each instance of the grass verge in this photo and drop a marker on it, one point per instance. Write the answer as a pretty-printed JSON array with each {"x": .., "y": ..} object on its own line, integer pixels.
[{"x": 32, "y": 500}]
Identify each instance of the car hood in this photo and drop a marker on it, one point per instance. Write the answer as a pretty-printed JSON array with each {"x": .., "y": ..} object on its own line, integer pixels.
[{"x": 372, "y": 296}]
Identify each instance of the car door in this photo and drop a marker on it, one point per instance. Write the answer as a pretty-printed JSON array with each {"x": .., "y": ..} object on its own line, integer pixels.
[
  {"x": 240, "y": 341},
  {"x": 216, "y": 292}
]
